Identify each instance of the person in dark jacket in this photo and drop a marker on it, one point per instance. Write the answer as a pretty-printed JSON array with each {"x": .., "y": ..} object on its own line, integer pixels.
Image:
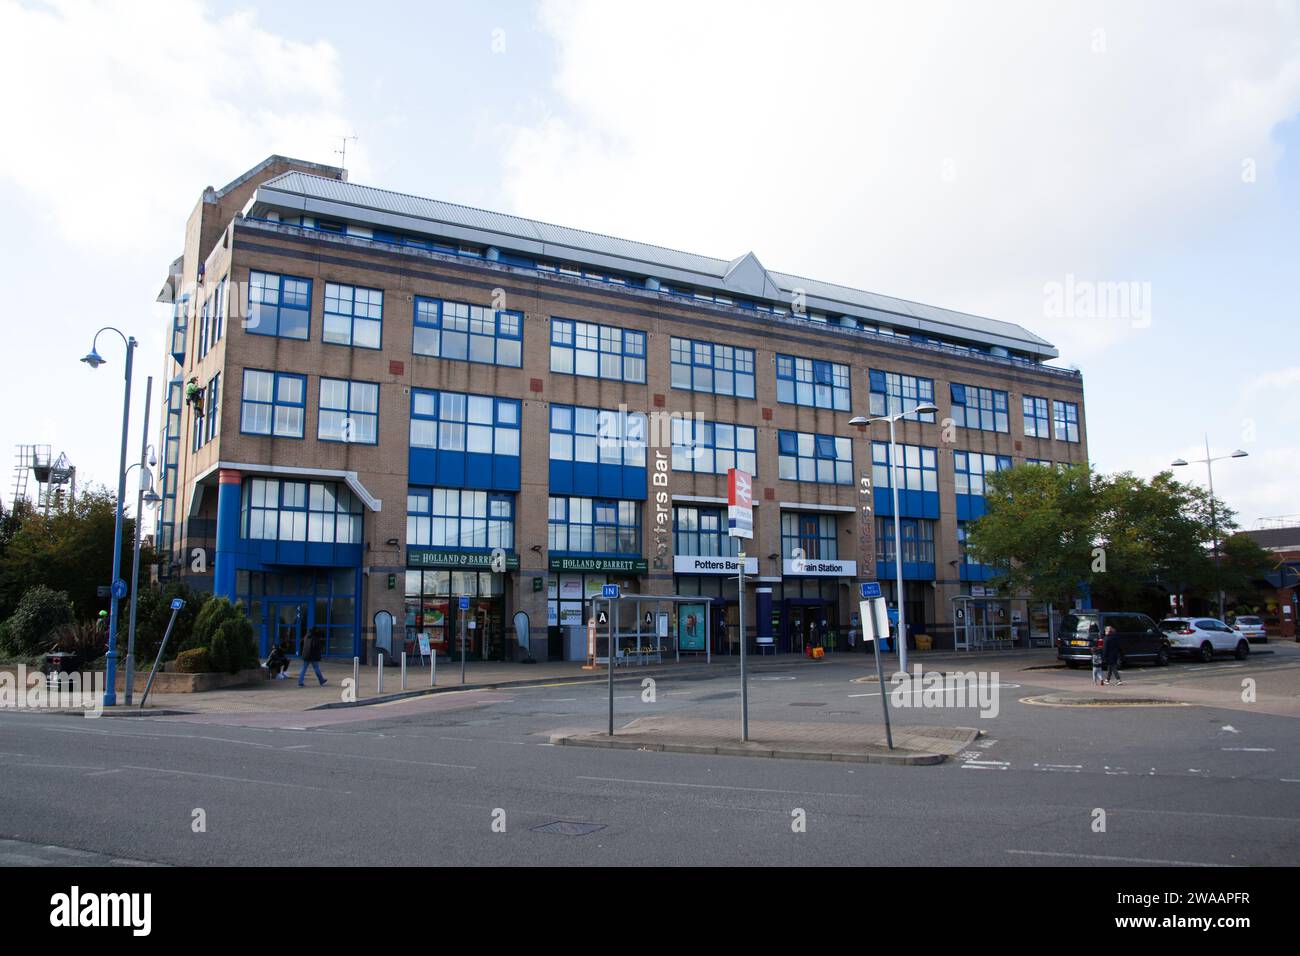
[
  {"x": 277, "y": 664},
  {"x": 1110, "y": 655},
  {"x": 313, "y": 646}
]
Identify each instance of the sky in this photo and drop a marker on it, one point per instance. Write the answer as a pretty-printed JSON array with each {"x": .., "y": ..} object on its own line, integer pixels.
[{"x": 1027, "y": 161}]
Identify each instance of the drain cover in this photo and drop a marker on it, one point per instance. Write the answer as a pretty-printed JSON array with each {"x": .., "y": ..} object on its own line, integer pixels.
[
  {"x": 568, "y": 828},
  {"x": 807, "y": 703}
]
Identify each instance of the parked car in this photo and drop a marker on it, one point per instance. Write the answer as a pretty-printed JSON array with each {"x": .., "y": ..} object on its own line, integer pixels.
[
  {"x": 1203, "y": 637},
  {"x": 1251, "y": 628},
  {"x": 1139, "y": 638}
]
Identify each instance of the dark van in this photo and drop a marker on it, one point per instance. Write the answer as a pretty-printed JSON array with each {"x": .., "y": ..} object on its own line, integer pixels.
[{"x": 1139, "y": 637}]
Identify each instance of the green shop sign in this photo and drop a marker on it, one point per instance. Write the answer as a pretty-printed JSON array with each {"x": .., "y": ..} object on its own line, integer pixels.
[
  {"x": 610, "y": 565},
  {"x": 477, "y": 560}
]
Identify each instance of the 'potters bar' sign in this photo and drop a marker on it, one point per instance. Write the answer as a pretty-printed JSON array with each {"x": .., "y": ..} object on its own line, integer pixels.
[
  {"x": 692, "y": 564},
  {"x": 619, "y": 565},
  {"x": 478, "y": 560}
]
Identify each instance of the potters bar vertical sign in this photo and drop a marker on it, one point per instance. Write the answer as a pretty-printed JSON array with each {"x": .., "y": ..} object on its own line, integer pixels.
[{"x": 740, "y": 504}]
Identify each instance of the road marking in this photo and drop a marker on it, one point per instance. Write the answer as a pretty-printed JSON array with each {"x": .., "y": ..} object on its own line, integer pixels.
[
  {"x": 1250, "y": 750},
  {"x": 1230, "y": 729},
  {"x": 417, "y": 763},
  {"x": 560, "y": 700},
  {"x": 1060, "y": 767},
  {"x": 101, "y": 773},
  {"x": 1111, "y": 859},
  {"x": 217, "y": 776}
]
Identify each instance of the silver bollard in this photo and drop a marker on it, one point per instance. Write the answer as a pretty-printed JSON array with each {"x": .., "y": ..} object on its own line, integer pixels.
[
  {"x": 403, "y": 670},
  {"x": 356, "y": 674},
  {"x": 379, "y": 673},
  {"x": 433, "y": 667}
]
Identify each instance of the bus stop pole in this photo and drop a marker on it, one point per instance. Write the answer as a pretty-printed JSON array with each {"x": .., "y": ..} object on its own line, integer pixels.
[
  {"x": 609, "y": 653},
  {"x": 744, "y": 681}
]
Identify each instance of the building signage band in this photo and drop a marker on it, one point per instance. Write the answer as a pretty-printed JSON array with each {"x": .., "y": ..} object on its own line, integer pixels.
[
  {"x": 609, "y": 565},
  {"x": 692, "y": 564},
  {"x": 818, "y": 568},
  {"x": 481, "y": 560}
]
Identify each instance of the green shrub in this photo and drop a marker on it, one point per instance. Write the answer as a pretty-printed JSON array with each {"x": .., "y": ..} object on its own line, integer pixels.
[
  {"x": 39, "y": 613},
  {"x": 153, "y": 611},
  {"x": 81, "y": 637},
  {"x": 197, "y": 660},
  {"x": 7, "y": 648},
  {"x": 225, "y": 630}
]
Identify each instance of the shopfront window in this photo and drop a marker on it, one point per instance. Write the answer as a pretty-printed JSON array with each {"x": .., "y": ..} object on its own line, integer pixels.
[{"x": 809, "y": 536}]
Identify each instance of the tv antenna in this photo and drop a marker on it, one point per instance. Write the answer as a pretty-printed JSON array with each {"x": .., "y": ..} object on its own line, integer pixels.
[{"x": 343, "y": 152}]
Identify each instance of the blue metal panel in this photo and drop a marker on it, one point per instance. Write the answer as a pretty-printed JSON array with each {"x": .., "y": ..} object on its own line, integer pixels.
[
  {"x": 451, "y": 468},
  {"x": 422, "y": 466},
  {"x": 634, "y": 483},
  {"x": 478, "y": 471},
  {"x": 584, "y": 479},
  {"x": 505, "y": 472},
  {"x": 609, "y": 481},
  {"x": 561, "y": 477}
]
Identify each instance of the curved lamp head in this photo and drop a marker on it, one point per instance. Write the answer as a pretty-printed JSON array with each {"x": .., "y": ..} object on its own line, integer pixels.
[
  {"x": 1178, "y": 463},
  {"x": 93, "y": 359},
  {"x": 926, "y": 409},
  {"x": 1240, "y": 454},
  {"x": 151, "y": 498},
  {"x": 855, "y": 420}
]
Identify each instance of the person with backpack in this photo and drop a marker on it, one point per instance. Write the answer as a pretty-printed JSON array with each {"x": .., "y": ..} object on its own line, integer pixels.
[
  {"x": 1110, "y": 655},
  {"x": 1097, "y": 672},
  {"x": 277, "y": 664},
  {"x": 313, "y": 647}
]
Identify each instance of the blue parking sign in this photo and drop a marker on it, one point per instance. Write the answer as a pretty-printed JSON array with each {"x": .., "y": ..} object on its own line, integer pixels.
[
  {"x": 870, "y": 589},
  {"x": 464, "y": 602}
]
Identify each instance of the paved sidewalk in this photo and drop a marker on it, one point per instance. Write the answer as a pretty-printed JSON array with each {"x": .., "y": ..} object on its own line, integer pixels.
[{"x": 859, "y": 743}]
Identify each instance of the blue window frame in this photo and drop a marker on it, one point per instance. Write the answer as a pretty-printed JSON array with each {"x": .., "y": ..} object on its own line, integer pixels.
[
  {"x": 218, "y": 313},
  {"x": 273, "y": 403},
  {"x": 803, "y": 456},
  {"x": 892, "y": 393},
  {"x": 353, "y": 316},
  {"x": 710, "y": 367},
  {"x": 349, "y": 411},
  {"x": 1038, "y": 461},
  {"x": 818, "y": 384},
  {"x": 1036, "y": 422},
  {"x": 713, "y": 447},
  {"x": 180, "y": 324},
  {"x": 812, "y": 536},
  {"x": 459, "y": 518},
  {"x": 971, "y": 467},
  {"x": 594, "y": 526},
  {"x": 918, "y": 541},
  {"x": 597, "y": 351},
  {"x": 702, "y": 532},
  {"x": 212, "y": 409},
  {"x": 468, "y": 333},
  {"x": 284, "y": 510},
  {"x": 278, "y": 305},
  {"x": 456, "y": 422},
  {"x": 1065, "y": 420},
  {"x": 590, "y": 435},
  {"x": 917, "y": 467},
  {"x": 984, "y": 409},
  {"x": 202, "y": 343}
]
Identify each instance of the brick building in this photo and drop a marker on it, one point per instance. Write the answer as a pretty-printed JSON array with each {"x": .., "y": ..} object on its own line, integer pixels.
[{"x": 397, "y": 401}]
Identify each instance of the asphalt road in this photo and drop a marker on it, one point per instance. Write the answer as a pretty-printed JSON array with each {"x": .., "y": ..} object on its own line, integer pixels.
[{"x": 433, "y": 781}]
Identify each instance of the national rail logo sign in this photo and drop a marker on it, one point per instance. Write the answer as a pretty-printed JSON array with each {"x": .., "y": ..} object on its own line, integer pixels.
[{"x": 740, "y": 504}]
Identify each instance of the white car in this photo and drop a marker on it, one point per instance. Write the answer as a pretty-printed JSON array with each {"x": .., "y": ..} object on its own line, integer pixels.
[
  {"x": 1251, "y": 628},
  {"x": 1203, "y": 637}
]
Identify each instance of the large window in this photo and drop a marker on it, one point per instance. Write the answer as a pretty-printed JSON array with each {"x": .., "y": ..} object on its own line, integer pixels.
[
  {"x": 709, "y": 367},
  {"x": 273, "y": 404},
  {"x": 808, "y": 457},
  {"x": 594, "y": 526},
  {"x": 594, "y": 435},
  {"x": 597, "y": 351},
  {"x": 459, "y": 518},
  {"x": 1036, "y": 423},
  {"x": 353, "y": 316},
  {"x": 970, "y": 469},
  {"x": 451, "y": 421},
  {"x": 713, "y": 447},
  {"x": 892, "y": 393},
  {"x": 918, "y": 540},
  {"x": 917, "y": 466},
  {"x": 469, "y": 333},
  {"x": 702, "y": 532},
  {"x": 1065, "y": 419},
  {"x": 801, "y": 381},
  {"x": 212, "y": 409},
  {"x": 984, "y": 409},
  {"x": 284, "y": 510},
  {"x": 278, "y": 305},
  {"x": 349, "y": 411},
  {"x": 809, "y": 536}
]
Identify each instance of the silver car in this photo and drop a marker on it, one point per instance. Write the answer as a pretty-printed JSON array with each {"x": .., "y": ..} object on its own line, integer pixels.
[{"x": 1251, "y": 628}]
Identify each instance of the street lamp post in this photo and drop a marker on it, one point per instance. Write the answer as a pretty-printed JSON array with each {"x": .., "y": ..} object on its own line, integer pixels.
[
  {"x": 94, "y": 360},
  {"x": 898, "y": 524},
  {"x": 1208, "y": 461},
  {"x": 141, "y": 499}
]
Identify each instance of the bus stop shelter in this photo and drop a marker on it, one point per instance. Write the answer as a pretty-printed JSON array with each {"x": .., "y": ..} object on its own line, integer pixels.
[{"x": 635, "y": 624}]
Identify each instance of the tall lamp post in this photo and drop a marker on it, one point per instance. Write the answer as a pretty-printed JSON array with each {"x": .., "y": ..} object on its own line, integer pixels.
[
  {"x": 144, "y": 495},
  {"x": 1208, "y": 462},
  {"x": 898, "y": 524},
  {"x": 94, "y": 360}
]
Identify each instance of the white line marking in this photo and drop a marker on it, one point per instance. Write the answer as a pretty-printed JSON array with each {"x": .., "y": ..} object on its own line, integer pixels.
[
  {"x": 1250, "y": 750},
  {"x": 217, "y": 776},
  {"x": 712, "y": 786},
  {"x": 1111, "y": 859}
]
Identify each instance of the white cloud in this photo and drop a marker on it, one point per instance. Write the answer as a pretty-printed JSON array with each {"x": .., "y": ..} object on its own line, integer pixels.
[
  {"x": 961, "y": 154},
  {"x": 118, "y": 113}
]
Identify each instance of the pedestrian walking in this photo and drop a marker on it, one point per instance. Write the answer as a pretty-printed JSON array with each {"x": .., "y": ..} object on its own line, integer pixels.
[
  {"x": 1110, "y": 655},
  {"x": 1097, "y": 662},
  {"x": 313, "y": 646}
]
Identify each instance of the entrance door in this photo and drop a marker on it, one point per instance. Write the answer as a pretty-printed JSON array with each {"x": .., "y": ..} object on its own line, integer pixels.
[
  {"x": 797, "y": 630},
  {"x": 286, "y": 624}
]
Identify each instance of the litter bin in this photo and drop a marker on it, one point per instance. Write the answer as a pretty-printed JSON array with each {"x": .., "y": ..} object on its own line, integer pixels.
[
  {"x": 923, "y": 642},
  {"x": 59, "y": 662}
]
